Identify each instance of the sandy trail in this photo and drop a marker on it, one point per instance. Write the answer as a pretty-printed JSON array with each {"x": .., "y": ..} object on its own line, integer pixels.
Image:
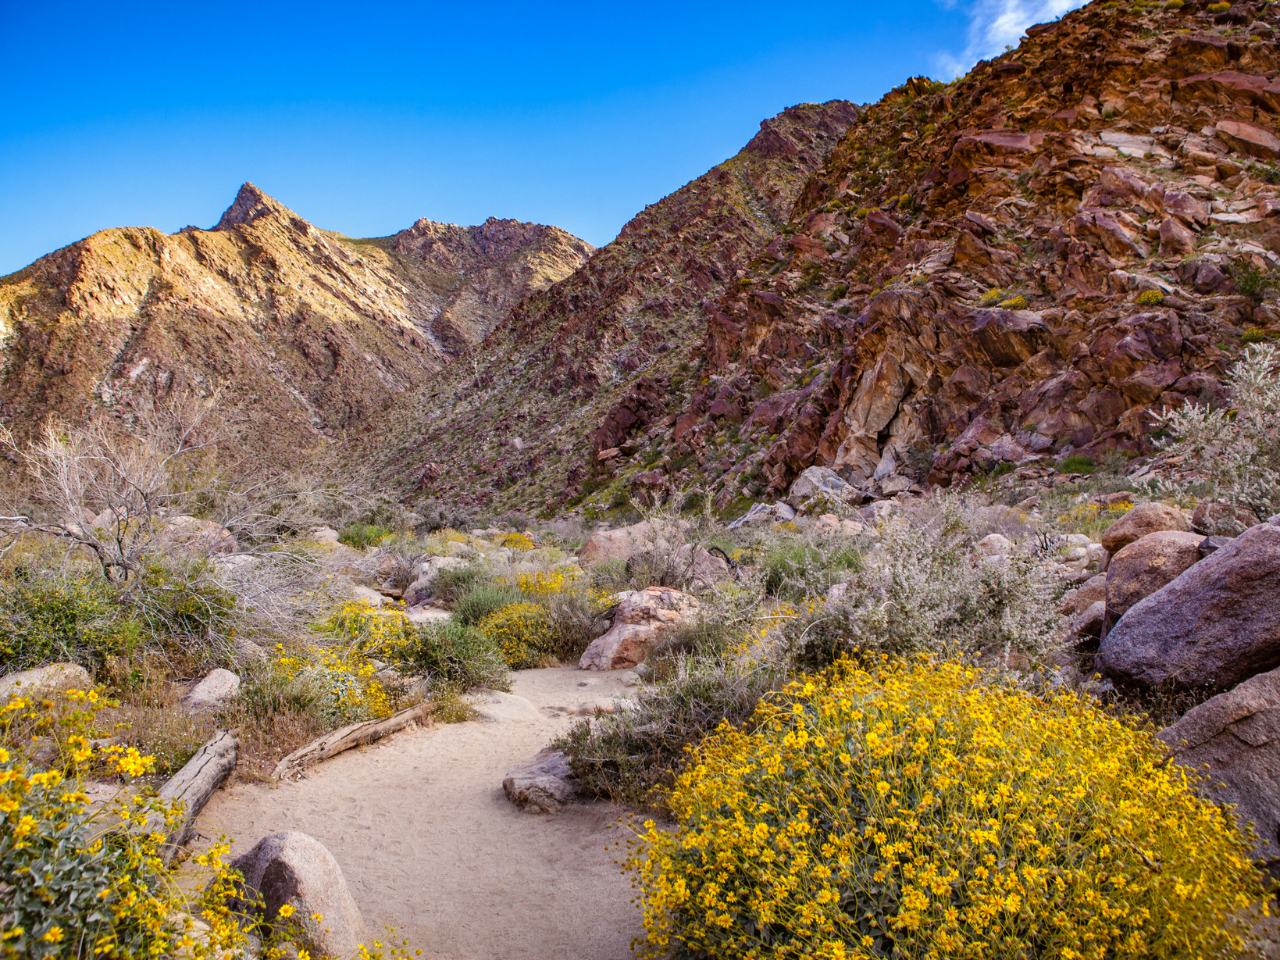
[{"x": 430, "y": 845}]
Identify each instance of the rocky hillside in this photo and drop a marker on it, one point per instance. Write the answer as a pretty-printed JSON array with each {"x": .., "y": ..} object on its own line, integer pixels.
[
  {"x": 1025, "y": 263},
  {"x": 310, "y": 331},
  {"x": 521, "y": 412}
]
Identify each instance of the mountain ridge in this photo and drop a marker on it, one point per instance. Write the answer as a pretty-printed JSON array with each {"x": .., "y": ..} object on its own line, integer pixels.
[{"x": 310, "y": 331}]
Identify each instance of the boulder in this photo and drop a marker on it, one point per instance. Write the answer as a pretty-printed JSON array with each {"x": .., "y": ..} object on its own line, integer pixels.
[
  {"x": 196, "y": 536},
  {"x": 1146, "y": 565},
  {"x": 296, "y": 869},
  {"x": 55, "y": 676},
  {"x": 428, "y": 573},
  {"x": 1235, "y": 739},
  {"x": 829, "y": 523},
  {"x": 1216, "y": 625},
  {"x": 1090, "y": 592},
  {"x": 819, "y": 481},
  {"x": 641, "y": 618},
  {"x": 625, "y": 542},
  {"x": 216, "y": 688},
  {"x": 779, "y": 512},
  {"x": 542, "y": 784},
  {"x": 1143, "y": 519},
  {"x": 994, "y": 545},
  {"x": 1087, "y": 626}
]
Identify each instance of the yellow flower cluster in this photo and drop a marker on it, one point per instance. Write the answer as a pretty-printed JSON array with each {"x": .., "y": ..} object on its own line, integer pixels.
[
  {"x": 515, "y": 541},
  {"x": 918, "y": 810},
  {"x": 361, "y": 622},
  {"x": 1150, "y": 298},
  {"x": 1015, "y": 303},
  {"x": 344, "y": 678},
  {"x": 542, "y": 584},
  {"x": 523, "y": 633}
]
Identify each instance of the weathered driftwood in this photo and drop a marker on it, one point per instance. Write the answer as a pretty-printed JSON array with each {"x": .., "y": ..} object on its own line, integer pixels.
[
  {"x": 194, "y": 784},
  {"x": 354, "y": 735}
]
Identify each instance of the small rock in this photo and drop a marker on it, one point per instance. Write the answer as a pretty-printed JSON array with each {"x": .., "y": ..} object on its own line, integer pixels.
[
  {"x": 216, "y": 688},
  {"x": 1141, "y": 520},
  {"x": 493, "y": 706},
  {"x": 1086, "y": 629},
  {"x": 542, "y": 784},
  {"x": 52, "y": 677},
  {"x": 779, "y": 512},
  {"x": 366, "y": 594},
  {"x": 1090, "y": 592},
  {"x": 625, "y": 542},
  {"x": 819, "y": 481},
  {"x": 296, "y": 869}
]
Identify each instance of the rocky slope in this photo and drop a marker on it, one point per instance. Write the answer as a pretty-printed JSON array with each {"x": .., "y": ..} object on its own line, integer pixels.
[
  {"x": 308, "y": 333},
  {"x": 1025, "y": 263},
  {"x": 520, "y": 412}
]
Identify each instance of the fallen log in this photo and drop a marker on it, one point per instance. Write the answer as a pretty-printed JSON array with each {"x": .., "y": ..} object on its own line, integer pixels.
[
  {"x": 354, "y": 735},
  {"x": 194, "y": 784}
]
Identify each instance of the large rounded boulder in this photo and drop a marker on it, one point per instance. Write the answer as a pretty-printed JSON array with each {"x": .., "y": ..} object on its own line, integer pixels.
[
  {"x": 1146, "y": 565},
  {"x": 1215, "y": 626},
  {"x": 1141, "y": 521}
]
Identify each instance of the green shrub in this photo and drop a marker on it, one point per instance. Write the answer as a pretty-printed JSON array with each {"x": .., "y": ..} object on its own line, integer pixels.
[
  {"x": 795, "y": 568},
  {"x": 1251, "y": 281},
  {"x": 994, "y": 296},
  {"x": 182, "y": 602},
  {"x": 1018, "y": 302},
  {"x": 456, "y": 656},
  {"x": 454, "y": 582},
  {"x": 1077, "y": 463},
  {"x": 634, "y": 757},
  {"x": 66, "y": 617},
  {"x": 916, "y": 811},
  {"x": 1150, "y": 298},
  {"x": 481, "y": 600},
  {"x": 361, "y": 535},
  {"x": 1235, "y": 450},
  {"x": 1255, "y": 335}
]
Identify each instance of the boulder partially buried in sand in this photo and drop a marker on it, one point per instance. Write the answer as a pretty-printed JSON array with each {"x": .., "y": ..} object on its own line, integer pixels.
[{"x": 296, "y": 869}]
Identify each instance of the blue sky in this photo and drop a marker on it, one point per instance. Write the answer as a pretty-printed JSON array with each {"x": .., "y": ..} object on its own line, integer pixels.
[{"x": 365, "y": 117}]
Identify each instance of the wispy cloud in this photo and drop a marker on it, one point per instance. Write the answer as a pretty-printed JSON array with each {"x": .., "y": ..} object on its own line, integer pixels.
[{"x": 995, "y": 24}]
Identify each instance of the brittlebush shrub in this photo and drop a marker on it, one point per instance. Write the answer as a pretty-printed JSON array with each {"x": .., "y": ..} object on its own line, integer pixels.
[
  {"x": 523, "y": 632},
  {"x": 916, "y": 811},
  {"x": 75, "y": 881}
]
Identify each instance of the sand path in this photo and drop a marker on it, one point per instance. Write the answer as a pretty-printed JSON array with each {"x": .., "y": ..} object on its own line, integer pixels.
[{"x": 430, "y": 845}]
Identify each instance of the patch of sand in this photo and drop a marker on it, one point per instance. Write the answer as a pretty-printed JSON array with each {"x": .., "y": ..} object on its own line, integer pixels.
[{"x": 430, "y": 845}]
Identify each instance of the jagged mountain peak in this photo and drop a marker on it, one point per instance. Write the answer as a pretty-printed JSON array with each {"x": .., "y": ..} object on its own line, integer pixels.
[{"x": 249, "y": 205}]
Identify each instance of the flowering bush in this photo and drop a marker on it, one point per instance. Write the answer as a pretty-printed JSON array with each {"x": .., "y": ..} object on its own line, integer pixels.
[
  {"x": 342, "y": 682},
  {"x": 76, "y": 882},
  {"x": 515, "y": 541},
  {"x": 522, "y": 631},
  {"x": 1236, "y": 449},
  {"x": 1015, "y": 303},
  {"x": 916, "y": 811},
  {"x": 1150, "y": 298}
]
